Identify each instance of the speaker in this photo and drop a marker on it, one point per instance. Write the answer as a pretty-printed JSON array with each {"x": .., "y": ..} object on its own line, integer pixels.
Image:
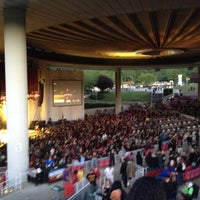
[
  {"x": 41, "y": 92},
  {"x": 32, "y": 125}
]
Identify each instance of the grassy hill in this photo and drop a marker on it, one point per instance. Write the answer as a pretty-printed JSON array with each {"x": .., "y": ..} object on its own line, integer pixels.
[{"x": 108, "y": 99}]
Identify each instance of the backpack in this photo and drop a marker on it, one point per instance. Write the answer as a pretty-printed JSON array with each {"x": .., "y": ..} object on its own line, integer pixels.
[{"x": 196, "y": 191}]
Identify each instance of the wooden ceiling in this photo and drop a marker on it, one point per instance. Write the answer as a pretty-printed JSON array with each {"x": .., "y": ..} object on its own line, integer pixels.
[{"x": 84, "y": 33}]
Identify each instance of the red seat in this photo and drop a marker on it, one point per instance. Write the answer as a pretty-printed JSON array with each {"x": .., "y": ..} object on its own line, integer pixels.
[
  {"x": 69, "y": 189},
  {"x": 148, "y": 151},
  {"x": 198, "y": 170},
  {"x": 101, "y": 163},
  {"x": 196, "y": 173},
  {"x": 154, "y": 173},
  {"x": 106, "y": 162},
  {"x": 189, "y": 168},
  {"x": 187, "y": 176},
  {"x": 164, "y": 147},
  {"x": 191, "y": 173}
]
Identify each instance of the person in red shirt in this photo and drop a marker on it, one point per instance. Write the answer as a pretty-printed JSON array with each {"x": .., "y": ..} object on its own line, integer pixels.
[
  {"x": 96, "y": 172},
  {"x": 75, "y": 176}
]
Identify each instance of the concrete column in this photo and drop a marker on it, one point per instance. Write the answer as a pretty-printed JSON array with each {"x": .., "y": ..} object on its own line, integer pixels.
[
  {"x": 16, "y": 92},
  {"x": 198, "y": 82},
  {"x": 118, "y": 90}
]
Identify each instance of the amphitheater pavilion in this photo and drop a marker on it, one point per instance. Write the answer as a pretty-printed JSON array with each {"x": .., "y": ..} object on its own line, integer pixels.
[{"x": 58, "y": 36}]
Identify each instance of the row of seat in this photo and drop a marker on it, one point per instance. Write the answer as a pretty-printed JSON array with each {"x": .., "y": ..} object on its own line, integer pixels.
[
  {"x": 153, "y": 173},
  {"x": 191, "y": 173},
  {"x": 164, "y": 147},
  {"x": 103, "y": 162}
]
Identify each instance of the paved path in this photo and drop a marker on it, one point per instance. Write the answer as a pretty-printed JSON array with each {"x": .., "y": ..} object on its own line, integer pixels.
[{"x": 43, "y": 191}]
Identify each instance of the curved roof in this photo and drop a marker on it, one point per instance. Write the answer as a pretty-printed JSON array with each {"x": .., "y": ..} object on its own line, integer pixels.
[{"x": 111, "y": 33}]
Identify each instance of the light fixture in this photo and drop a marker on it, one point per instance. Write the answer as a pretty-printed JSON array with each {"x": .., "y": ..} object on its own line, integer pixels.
[
  {"x": 145, "y": 53},
  {"x": 33, "y": 96},
  {"x": 159, "y": 52}
]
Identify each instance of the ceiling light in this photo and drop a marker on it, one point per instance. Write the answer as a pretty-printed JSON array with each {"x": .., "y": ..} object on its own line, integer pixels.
[{"x": 144, "y": 53}]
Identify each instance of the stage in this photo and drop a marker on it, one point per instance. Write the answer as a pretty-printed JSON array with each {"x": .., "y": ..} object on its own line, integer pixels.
[{"x": 4, "y": 136}]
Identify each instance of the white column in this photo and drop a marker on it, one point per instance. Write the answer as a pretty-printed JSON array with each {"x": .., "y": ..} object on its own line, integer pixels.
[
  {"x": 198, "y": 82},
  {"x": 16, "y": 91},
  {"x": 118, "y": 90}
]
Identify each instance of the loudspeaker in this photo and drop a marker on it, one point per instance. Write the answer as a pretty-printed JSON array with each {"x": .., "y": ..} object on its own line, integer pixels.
[
  {"x": 32, "y": 125},
  {"x": 41, "y": 92}
]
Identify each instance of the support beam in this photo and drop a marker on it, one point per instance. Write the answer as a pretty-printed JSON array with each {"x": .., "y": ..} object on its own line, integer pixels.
[
  {"x": 16, "y": 92},
  {"x": 118, "y": 90},
  {"x": 198, "y": 82}
]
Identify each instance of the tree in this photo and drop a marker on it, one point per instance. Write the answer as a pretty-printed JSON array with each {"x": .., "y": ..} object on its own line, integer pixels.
[
  {"x": 147, "y": 79},
  {"x": 90, "y": 79},
  {"x": 104, "y": 83}
]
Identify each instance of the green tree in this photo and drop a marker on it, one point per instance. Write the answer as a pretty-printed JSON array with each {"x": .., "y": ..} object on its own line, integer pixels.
[
  {"x": 146, "y": 78},
  {"x": 104, "y": 83},
  {"x": 90, "y": 79},
  {"x": 172, "y": 74}
]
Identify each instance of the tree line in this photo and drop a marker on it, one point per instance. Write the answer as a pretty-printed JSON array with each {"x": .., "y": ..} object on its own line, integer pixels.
[{"x": 94, "y": 78}]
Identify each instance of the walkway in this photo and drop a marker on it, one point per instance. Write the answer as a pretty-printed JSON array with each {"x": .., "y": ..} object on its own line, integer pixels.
[{"x": 43, "y": 191}]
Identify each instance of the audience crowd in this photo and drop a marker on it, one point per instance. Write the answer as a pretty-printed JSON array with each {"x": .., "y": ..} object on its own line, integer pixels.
[{"x": 141, "y": 126}]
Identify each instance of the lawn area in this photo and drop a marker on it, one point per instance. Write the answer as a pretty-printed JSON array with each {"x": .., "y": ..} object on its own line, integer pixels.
[
  {"x": 187, "y": 88},
  {"x": 108, "y": 99},
  {"x": 127, "y": 97}
]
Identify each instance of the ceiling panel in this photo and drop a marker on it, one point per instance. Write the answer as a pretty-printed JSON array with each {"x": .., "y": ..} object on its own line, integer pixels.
[{"x": 95, "y": 29}]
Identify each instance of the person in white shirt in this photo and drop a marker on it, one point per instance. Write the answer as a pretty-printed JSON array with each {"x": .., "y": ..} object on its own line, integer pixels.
[{"x": 109, "y": 173}]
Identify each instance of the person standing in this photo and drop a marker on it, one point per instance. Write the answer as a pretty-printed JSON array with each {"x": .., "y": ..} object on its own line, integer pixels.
[
  {"x": 66, "y": 174},
  {"x": 109, "y": 173},
  {"x": 75, "y": 177},
  {"x": 130, "y": 169},
  {"x": 97, "y": 172},
  {"x": 123, "y": 172},
  {"x": 94, "y": 160},
  {"x": 112, "y": 157},
  {"x": 106, "y": 189},
  {"x": 139, "y": 160},
  {"x": 80, "y": 174},
  {"x": 181, "y": 166},
  {"x": 91, "y": 177}
]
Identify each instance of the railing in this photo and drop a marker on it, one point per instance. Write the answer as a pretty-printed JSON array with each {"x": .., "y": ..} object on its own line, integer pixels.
[
  {"x": 9, "y": 186},
  {"x": 82, "y": 187}
]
